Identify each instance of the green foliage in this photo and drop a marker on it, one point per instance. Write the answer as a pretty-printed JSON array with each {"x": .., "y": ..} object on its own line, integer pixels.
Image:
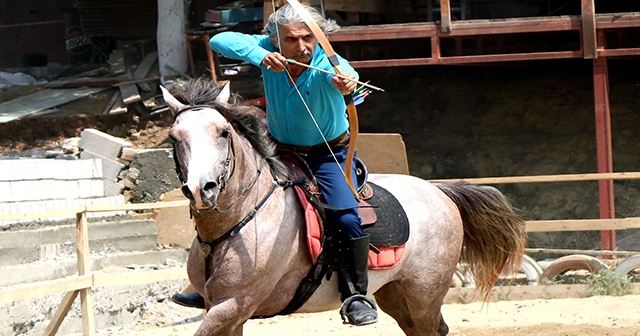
[{"x": 607, "y": 282}]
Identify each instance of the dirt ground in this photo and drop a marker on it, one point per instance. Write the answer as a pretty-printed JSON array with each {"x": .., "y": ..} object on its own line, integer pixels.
[{"x": 595, "y": 316}]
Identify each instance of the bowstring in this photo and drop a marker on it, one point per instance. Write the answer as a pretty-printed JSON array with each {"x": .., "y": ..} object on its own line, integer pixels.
[{"x": 304, "y": 102}]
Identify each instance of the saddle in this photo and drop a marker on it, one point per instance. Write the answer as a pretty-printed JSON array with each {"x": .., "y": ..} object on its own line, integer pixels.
[{"x": 383, "y": 218}]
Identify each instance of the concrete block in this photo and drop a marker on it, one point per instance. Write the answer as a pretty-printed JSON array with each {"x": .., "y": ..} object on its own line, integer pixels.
[
  {"x": 40, "y": 169},
  {"x": 90, "y": 188},
  {"x": 112, "y": 188},
  {"x": 110, "y": 167},
  {"x": 102, "y": 143},
  {"x": 53, "y": 189},
  {"x": 84, "y": 169},
  {"x": 5, "y": 191}
]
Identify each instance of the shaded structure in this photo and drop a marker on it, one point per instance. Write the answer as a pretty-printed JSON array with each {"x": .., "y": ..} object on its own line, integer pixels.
[{"x": 589, "y": 35}]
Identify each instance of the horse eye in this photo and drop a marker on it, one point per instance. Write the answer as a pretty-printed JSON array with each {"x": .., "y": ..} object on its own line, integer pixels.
[{"x": 225, "y": 133}]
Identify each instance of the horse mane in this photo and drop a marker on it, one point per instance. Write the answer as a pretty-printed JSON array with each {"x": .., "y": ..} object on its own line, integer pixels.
[{"x": 202, "y": 91}]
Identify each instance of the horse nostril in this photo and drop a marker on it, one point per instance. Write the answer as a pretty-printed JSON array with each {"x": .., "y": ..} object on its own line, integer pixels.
[
  {"x": 209, "y": 185},
  {"x": 186, "y": 192}
]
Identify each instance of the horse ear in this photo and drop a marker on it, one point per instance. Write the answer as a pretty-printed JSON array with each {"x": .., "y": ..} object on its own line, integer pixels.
[
  {"x": 173, "y": 103},
  {"x": 225, "y": 94}
]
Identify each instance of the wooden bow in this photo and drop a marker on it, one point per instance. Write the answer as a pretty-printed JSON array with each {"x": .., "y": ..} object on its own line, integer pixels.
[{"x": 348, "y": 98}]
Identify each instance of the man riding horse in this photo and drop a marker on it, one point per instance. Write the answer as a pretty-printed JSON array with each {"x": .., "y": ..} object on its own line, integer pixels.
[{"x": 306, "y": 115}]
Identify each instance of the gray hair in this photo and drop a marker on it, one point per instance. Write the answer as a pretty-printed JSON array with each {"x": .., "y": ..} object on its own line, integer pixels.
[{"x": 287, "y": 15}]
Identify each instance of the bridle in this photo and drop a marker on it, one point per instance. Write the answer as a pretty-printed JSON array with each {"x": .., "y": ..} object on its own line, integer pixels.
[
  {"x": 222, "y": 179},
  {"x": 207, "y": 247}
]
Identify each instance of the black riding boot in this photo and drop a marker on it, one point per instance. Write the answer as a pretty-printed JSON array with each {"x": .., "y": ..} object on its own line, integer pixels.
[
  {"x": 191, "y": 300},
  {"x": 357, "y": 309}
]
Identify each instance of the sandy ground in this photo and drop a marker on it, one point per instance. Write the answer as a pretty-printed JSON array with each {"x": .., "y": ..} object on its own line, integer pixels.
[{"x": 595, "y": 316}]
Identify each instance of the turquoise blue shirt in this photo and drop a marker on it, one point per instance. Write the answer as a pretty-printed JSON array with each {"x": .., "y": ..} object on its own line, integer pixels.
[{"x": 288, "y": 118}]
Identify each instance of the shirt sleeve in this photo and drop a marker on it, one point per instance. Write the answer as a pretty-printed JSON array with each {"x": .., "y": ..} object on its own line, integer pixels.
[{"x": 234, "y": 45}]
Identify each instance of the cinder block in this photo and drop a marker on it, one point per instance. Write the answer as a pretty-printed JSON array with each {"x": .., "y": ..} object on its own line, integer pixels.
[
  {"x": 102, "y": 143},
  {"x": 50, "y": 205},
  {"x": 91, "y": 188},
  {"x": 5, "y": 191},
  {"x": 110, "y": 167},
  {"x": 40, "y": 169},
  {"x": 84, "y": 169},
  {"x": 112, "y": 188}
]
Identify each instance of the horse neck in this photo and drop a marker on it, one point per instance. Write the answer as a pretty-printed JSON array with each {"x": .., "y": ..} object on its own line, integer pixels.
[{"x": 246, "y": 162}]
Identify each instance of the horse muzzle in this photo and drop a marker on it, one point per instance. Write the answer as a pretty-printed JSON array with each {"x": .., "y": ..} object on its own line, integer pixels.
[{"x": 204, "y": 197}]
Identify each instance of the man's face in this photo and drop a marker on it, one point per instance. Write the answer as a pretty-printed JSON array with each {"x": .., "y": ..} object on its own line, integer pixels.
[{"x": 297, "y": 42}]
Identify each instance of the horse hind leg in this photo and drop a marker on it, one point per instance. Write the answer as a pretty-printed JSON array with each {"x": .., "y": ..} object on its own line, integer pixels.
[{"x": 414, "y": 318}]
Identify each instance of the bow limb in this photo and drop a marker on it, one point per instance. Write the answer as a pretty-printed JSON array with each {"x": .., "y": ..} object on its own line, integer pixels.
[{"x": 352, "y": 113}]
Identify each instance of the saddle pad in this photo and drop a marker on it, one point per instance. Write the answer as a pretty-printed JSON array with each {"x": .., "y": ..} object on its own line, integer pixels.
[
  {"x": 388, "y": 257},
  {"x": 392, "y": 226}
]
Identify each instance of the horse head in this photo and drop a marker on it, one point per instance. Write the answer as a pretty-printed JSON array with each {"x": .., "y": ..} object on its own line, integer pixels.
[{"x": 202, "y": 139}]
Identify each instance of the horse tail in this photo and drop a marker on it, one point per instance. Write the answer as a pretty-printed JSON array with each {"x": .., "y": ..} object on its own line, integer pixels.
[{"x": 494, "y": 234}]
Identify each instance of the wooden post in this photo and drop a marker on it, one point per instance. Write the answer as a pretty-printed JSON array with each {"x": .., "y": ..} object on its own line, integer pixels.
[
  {"x": 84, "y": 267},
  {"x": 589, "y": 29},
  {"x": 603, "y": 145},
  {"x": 445, "y": 15}
]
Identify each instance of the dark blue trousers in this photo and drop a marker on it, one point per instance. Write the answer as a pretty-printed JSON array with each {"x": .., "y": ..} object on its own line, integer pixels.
[{"x": 336, "y": 192}]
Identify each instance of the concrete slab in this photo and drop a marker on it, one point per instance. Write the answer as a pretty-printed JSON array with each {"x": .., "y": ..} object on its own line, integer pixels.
[
  {"x": 40, "y": 101},
  {"x": 101, "y": 143},
  {"x": 27, "y": 207}
]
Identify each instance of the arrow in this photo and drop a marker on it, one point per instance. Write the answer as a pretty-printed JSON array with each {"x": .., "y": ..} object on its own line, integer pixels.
[{"x": 292, "y": 61}]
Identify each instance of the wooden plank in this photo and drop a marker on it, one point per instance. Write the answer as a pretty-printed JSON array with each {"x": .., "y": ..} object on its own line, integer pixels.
[
  {"x": 115, "y": 105},
  {"x": 44, "y": 214},
  {"x": 587, "y": 252},
  {"x": 35, "y": 103},
  {"x": 142, "y": 70},
  {"x": 516, "y": 293},
  {"x": 589, "y": 42},
  {"x": 136, "y": 206},
  {"x": 84, "y": 268},
  {"x": 383, "y": 153},
  {"x": 31, "y": 291},
  {"x": 482, "y": 27},
  {"x": 139, "y": 278},
  {"x": 467, "y": 59},
  {"x": 583, "y": 224},
  {"x": 358, "y": 6},
  {"x": 129, "y": 92},
  {"x": 547, "y": 178},
  {"x": 95, "y": 208},
  {"x": 61, "y": 312}
]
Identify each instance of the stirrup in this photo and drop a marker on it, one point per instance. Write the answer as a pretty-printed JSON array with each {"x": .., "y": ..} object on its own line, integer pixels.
[{"x": 350, "y": 300}]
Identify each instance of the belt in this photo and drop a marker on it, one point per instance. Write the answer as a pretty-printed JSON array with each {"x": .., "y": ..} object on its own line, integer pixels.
[{"x": 336, "y": 144}]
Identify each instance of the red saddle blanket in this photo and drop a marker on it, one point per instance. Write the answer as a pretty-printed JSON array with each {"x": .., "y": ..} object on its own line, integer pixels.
[{"x": 388, "y": 257}]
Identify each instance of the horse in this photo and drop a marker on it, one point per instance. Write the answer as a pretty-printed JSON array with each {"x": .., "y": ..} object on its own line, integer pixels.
[{"x": 250, "y": 252}]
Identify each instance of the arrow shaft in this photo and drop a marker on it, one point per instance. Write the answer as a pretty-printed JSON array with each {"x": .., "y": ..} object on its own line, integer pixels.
[{"x": 334, "y": 74}]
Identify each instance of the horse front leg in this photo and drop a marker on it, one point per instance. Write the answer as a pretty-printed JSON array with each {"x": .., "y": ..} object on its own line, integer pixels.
[
  {"x": 238, "y": 331},
  {"x": 226, "y": 318}
]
